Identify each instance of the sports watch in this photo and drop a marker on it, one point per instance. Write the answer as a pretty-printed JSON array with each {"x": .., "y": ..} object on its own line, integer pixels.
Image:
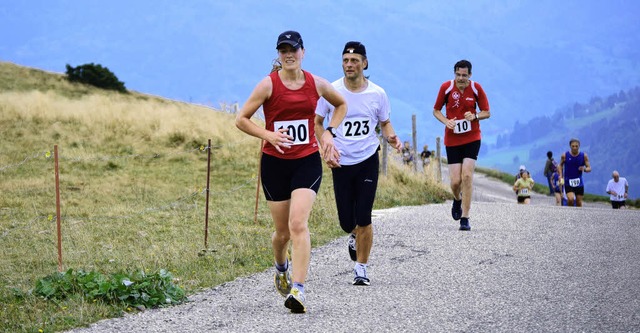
[{"x": 332, "y": 131}]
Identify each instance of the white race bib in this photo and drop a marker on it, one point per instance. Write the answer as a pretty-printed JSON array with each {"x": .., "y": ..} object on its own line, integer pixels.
[
  {"x": 620, "y": 197},
  {"x": 524, "y": 191},
  {"x": 355, "y": 128},
  {"x": 575, "y": 182},
  {"x": 462, "y": 126},
  {"x": 298, "y": 129}
]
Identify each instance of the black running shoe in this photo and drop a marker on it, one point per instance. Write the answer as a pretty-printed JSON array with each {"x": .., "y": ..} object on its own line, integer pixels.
[
  {"x": 361, "y": 281},
  {"x": 351, "y": 243},
  {"x": 456, "y": 209},
  {"x": 464, "y": 224}
]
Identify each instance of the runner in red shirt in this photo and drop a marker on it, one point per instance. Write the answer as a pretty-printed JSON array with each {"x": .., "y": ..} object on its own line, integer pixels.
[
  {"x": 291, "y": 166},
  {"x": 462, "y": 134}
]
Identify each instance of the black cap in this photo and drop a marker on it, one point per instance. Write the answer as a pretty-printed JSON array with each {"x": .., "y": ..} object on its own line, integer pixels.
[
  {"x": 290, "y": 37},
  {"x": 356, "y": 47}
]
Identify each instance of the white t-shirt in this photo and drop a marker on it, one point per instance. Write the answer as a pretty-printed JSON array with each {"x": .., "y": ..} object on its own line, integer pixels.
[
  {"x": 618, "y": 187},
  {"x": 356, "y": 137}
]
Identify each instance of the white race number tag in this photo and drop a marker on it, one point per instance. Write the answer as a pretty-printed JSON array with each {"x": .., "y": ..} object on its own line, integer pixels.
[
  {"x": 298, "y": 129},
  {"x": 355, "y": 128},
  {"x": 575, "y": 182},
  {"x": 462, "y": 126},
  {"x": 524, "y": 191}
]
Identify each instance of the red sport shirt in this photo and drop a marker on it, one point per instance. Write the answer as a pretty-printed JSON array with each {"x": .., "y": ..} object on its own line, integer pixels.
[
  {"x": 295, "y": 110},
  {"x": 457, "y": 104}
]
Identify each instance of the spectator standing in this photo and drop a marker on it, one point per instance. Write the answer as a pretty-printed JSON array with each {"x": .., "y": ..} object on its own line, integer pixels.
[
  {"x": 549, "y": 168},
  {"x": 407, "y": 154},
  {"x": 425, "y": 156}
]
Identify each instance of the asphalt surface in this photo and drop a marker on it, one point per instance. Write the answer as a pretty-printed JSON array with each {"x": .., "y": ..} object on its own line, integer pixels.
[{"x": 522, "y": 268}]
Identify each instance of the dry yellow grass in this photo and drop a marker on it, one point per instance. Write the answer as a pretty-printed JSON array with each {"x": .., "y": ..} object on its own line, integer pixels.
[{"x": 132, "y": 179}]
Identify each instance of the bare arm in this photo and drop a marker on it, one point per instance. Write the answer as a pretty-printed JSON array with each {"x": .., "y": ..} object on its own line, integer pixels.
[
  {"x": 327, "y": 147},
  {"x": 449, "y": 123},
  {"x": 626, "y": 190},
  {"x": 318, "y": 125},
  {"x": 390, "y": 135},
  {"x": 587, "y": 164},
  {"x": 259, "y": 95}
]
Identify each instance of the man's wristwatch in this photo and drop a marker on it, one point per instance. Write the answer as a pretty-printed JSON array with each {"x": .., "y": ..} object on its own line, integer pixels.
[{"x": 332, "y": 131}]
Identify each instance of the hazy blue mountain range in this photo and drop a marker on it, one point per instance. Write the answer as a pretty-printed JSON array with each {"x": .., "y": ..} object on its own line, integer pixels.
[{"x": 532, "y": 57}]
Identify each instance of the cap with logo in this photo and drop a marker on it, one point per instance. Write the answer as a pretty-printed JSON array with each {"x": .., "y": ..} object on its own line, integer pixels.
[
  {"x": 290, "y": 37},
  {"x": 356, "y": 47}
]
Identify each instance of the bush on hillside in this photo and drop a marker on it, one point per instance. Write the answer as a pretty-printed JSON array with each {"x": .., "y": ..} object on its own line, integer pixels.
[{"x": 95, "y": 75}]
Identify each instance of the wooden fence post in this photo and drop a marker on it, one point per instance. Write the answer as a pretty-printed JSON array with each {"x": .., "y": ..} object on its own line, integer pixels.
[
  {"x": 439, "y": 159},
  {"x": 58, "y": 217},
  {"x": 415, "y": 142}
]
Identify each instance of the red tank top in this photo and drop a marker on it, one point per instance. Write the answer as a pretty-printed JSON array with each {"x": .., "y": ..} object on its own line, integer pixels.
[{"x": 295, "y": 110}]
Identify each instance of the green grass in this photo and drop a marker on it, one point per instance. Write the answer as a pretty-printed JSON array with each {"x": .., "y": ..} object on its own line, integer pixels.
[{"x": 132, "y": 188}]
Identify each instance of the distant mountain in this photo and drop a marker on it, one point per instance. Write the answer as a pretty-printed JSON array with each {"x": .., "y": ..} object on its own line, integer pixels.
[
  {"x": 532, "y": 57},
  {"x": 607, "y": 128}
]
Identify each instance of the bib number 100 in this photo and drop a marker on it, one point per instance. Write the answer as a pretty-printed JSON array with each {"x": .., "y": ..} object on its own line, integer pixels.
[{"x": 298, "y": 129}]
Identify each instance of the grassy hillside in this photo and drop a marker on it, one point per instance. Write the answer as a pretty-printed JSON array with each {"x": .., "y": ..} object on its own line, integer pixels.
[{"x": 132, "y": 186}]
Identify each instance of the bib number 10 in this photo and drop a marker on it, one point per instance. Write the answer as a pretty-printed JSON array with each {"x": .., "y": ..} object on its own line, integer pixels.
[
  {"x": 298, "y": 129},
  {"x": 462, "y": 126}
]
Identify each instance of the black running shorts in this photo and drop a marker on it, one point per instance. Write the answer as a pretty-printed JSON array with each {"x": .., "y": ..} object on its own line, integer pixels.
[
  {"x": 575, "y": 190},
  {"x": 354, "y": 187},
  {"x": 617, "y": 204},
  {"x": 280, "y": 176},
  {"x": 456, "y": 154}
]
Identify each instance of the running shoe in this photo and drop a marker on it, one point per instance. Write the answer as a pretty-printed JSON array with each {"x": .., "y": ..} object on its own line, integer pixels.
[
  {"x": 464, "y": 224},
  {"x": 351, "y": 242},
  {"x": 295, "y": 301},
  {"x": 282, "y": 280},
  {"x": 456, "y": 209},
  {"x": 360, "y": 278}
]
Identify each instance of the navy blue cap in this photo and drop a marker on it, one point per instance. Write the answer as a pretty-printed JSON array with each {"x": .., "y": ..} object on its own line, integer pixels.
[{"x": 290, "y": 37}]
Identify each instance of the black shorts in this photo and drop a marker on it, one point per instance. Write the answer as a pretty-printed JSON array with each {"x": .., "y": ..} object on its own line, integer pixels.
[
  {"x": 618, "y": 204},
  {"x": 456, "y": 154},
  {"x": 280, "y": 176},
  {"x": 354, "y": 187},
  {"x": 521, "y": 199},
  {"x": 576, "y": 190}
]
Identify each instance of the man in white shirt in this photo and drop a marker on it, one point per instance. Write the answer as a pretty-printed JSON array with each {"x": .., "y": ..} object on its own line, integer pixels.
[
  {"x": 355, "y": 176},
  {"x": 618, "y": 190}
]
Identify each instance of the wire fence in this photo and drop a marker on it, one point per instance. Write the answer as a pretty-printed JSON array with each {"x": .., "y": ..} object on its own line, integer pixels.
[{"x": 189, "y": 201}]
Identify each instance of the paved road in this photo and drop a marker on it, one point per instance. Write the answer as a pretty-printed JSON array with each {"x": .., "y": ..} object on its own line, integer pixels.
[{"x": 536, "y": 268}]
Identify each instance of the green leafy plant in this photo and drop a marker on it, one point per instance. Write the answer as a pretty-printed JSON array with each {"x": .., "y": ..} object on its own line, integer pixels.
[{"x": 136, "y": 289}]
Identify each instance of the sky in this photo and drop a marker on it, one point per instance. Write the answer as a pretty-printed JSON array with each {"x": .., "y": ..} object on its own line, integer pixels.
[{"x": 532, "y": 56}]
